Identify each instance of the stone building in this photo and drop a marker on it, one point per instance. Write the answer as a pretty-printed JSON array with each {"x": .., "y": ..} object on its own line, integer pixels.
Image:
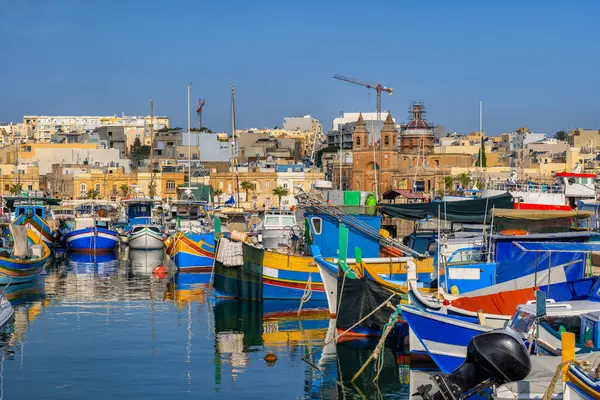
[{"x": 404, "y": 160}]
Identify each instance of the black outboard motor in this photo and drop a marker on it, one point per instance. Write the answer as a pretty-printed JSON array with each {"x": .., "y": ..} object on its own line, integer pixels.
[{"x": 495, "y": 357}]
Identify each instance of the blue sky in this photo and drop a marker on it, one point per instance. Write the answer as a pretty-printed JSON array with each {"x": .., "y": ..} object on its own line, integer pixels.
[{"x": 532, "y": 63}]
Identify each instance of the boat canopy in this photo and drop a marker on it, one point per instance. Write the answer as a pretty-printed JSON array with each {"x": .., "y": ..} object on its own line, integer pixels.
[
  {"x": 558, "y": 247},
  {"x": 468, "y": 211},
  {"x": 541, "y": 215},
  {"x": 537, "y": 221}
]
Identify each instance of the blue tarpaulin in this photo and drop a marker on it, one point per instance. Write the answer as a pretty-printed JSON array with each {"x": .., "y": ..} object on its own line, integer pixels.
[{"x": 513, "y": 261}]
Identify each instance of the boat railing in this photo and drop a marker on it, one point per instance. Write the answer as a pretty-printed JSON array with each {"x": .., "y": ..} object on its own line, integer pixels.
[
  {"x": 465, "y": 257},
  {"x": 527, "y": 187}
]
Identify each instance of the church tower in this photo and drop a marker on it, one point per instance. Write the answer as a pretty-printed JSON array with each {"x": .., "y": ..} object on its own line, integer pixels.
[
  {"x": 389, "y": 134},
  {"x": 360, "y": 136}
]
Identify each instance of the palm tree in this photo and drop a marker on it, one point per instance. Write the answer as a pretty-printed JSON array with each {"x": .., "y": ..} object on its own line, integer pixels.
[
  {"x": 124, "y": 189},
  {"x": 479, "y": 184},
  {"x": 16, "y": 189},
  {"x": 246, "y": 186},
  {"x": 217, "y": 193},
  {"x": 92, "y": 194},
  {"x": 448, "y": 182},
  {"x": 280, "y": 191},
  {"x": 464, "y": 179}
]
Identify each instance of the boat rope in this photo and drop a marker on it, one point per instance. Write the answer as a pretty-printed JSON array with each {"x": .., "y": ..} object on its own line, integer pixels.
[
  {"x": 586, "y": 365},
  {"x": 359, "y": 322},
  {"x": 310, "y": 363},
  {"x": 307, "y": 293},
  {"x": 378, "y": 352}
]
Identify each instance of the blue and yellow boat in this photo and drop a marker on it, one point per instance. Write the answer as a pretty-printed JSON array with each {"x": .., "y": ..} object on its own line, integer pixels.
[
  {"x": 193, "y": 252},
  {"x": 16, "y": 270},
  {"x": 33, "y": 217}
]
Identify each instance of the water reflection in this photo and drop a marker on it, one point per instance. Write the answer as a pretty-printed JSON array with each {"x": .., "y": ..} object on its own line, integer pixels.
[{"x": 99, "y": 325}]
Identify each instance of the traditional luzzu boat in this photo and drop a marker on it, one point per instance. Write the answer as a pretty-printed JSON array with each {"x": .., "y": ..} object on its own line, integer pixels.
[
  {"x": 92, "y": 235},
  {"x": 34, "y": 218},
  {"x": 193, "y": 252},
  {"x": 249, "y": 271},
  {"x": 26, "y": 260}
]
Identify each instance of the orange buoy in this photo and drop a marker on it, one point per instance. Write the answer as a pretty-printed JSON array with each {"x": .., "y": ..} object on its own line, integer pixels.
[
  {"x": 270, "y": 358},
  {"x": 513, "y": 232},
  {"x": 160, "y": 272}
]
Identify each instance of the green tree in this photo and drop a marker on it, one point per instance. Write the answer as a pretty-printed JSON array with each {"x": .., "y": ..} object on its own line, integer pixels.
[
  {"x": 217, "y": 193},
  {"x": 247, "y": 186},
  {"x": 124, "y": 190},
  {"x": 561, "y": 135},
  {"x": 280, "y": 191},
  {"x": 139, "y": 150},
  {"x": 16, "y": 189},
  {"x": 464, "y": 179},
  {"x": 448, "y": 182},
  {"x": 92, "y": 194},
  {"x": 481, "y": 159}
]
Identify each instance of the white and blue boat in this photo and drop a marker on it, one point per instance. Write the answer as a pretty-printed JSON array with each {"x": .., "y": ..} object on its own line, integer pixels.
[
  {"x": 145, "y": 237},
  {"x": 92, "y": 235}
]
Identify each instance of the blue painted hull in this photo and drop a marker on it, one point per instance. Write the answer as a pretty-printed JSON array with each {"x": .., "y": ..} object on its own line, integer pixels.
[
  {"x": 273, "y": 292},
  {"x": 92, "y": 240},
  {"x": 195, "y": 253},
  {"x": 444, "y": 337}
]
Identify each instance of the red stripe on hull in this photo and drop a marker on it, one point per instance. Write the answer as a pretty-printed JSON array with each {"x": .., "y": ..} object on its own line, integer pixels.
[
  {"x": 316, "y": 287},
  {"x": 541, "y": 207}
]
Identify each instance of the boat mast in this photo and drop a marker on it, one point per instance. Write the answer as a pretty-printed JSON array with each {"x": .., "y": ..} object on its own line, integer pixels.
[
  {"x": 189, "y": 136},
  {"x": 152, "y": 175},
  {"x": 234, "y": 176}
]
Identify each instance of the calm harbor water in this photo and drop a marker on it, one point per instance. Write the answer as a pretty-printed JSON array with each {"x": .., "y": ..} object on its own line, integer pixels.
[{"x": 101, "y": 327}]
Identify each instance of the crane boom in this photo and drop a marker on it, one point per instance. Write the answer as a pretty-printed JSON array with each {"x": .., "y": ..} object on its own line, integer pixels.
[{"x": 377, "y": 86}]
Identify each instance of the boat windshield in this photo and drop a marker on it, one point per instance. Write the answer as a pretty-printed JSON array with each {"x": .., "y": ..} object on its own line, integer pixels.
[
  {"x": 522, "y": 321},
  {"x": 102, "y": 224}
]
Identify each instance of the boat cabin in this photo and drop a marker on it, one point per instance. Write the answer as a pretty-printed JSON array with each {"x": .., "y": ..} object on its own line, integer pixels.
[
  {"x": 65, "y": 213},
  {"x": 278, "y": 219},
  {"x": 139, "y": 211},
  {"x": 89, "y": 222},
  {"x": 30, "y": 210}
]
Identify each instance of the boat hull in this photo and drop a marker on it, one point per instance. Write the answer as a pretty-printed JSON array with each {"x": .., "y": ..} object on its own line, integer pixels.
[
  {"x": 92, "y": 240},
  {"x": 444, "y": 337},
  {"x": 269, "y": 275},
  {"x": 17, "y": 271},
  {"x": 194, "y": 252},
  {"x": 145, "y": 240}
]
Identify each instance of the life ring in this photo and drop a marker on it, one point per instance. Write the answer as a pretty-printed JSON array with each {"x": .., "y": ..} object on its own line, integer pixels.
[{"x": 513, "y": 232}]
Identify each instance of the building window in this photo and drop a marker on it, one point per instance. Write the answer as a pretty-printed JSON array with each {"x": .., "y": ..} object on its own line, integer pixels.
[
  {"x": 221, "y": 185},
  {"x": 98, "y": 187},
  {"x": 30, "y": 187},
  {"x": 83, "y": 189},
  {"x": 285, "y": 185},
  {"x": 386, "y": 140},
  {"x": 170, "y": 186},
  {"x": 267, "y": 185},
  {"x": 358, "y": 140}
]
